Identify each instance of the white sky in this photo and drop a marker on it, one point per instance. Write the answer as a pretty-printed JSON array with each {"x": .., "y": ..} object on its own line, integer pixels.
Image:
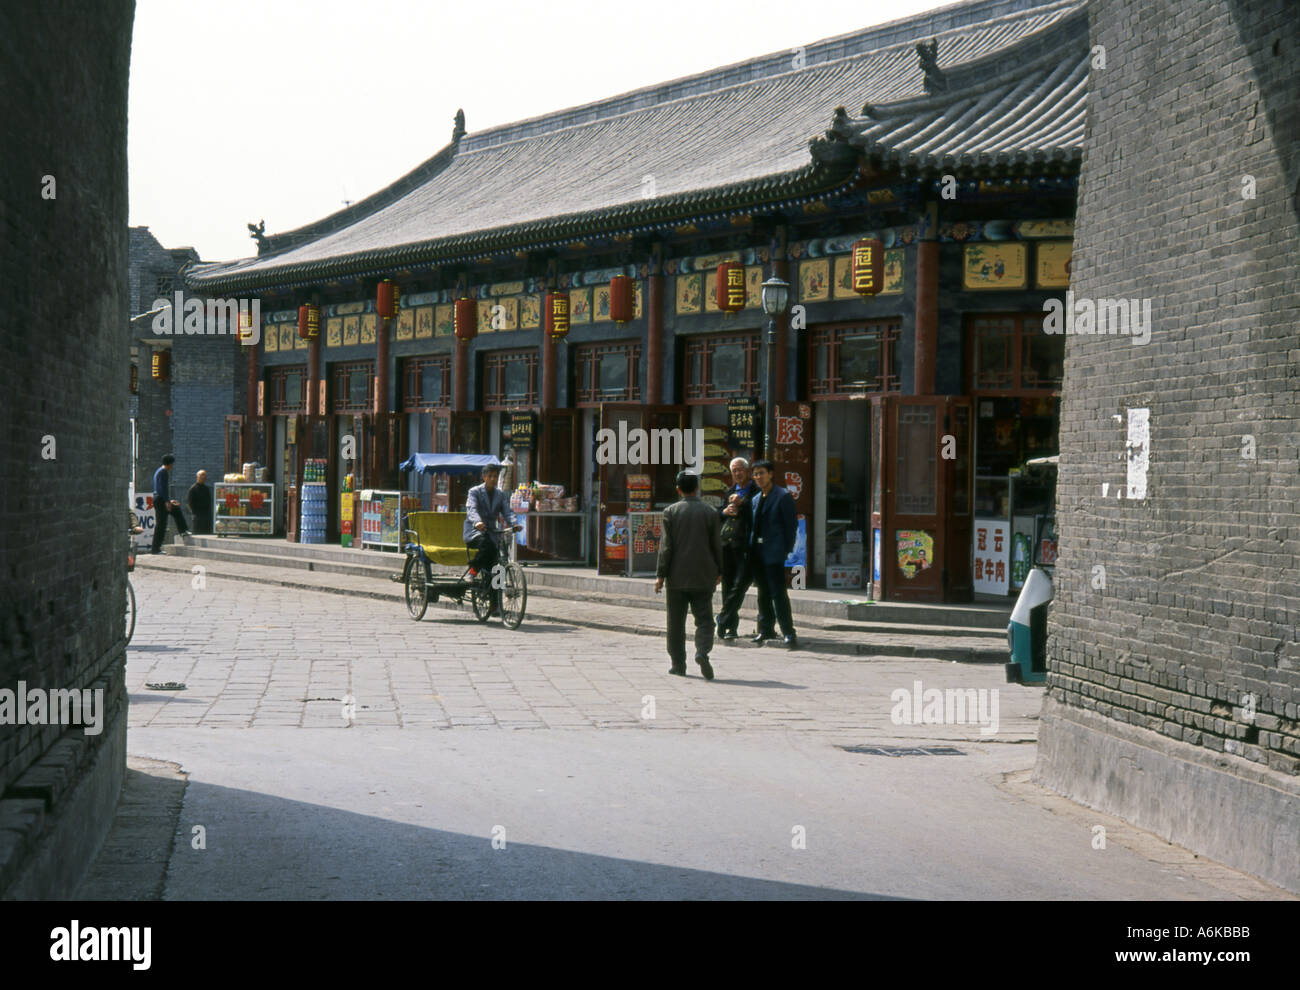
[{"x": 281, "y": 109}]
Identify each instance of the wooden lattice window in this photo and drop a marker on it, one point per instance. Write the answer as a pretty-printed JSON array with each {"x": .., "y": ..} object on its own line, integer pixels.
[
  {"x": 354, "y": 387},
  {"x": 1012, "y": 353},
  {"x": 608, "y": 373},
  {"x": 287, "y": 390},
  {"x": 854, "y": 359},
  {"x": 509, "y": 379},
  {"x": 721, "y": 366},
  {"x": 428, "y": 384}
]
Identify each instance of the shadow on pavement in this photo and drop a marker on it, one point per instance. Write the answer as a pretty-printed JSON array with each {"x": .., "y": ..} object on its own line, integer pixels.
[{"x": 261, "y": 847}]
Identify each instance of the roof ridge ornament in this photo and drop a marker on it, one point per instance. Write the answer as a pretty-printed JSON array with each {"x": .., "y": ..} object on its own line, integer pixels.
[
  {"x": 258, "y": 233},
  {"x": 459, "y": 131},
  {"x": 935, "y": 80}
]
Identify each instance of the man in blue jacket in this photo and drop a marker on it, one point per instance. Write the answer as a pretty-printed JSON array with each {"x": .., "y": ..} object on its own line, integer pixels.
[
  {"x": 771, "y": 538},
  {"x": 164, "y": 505}
]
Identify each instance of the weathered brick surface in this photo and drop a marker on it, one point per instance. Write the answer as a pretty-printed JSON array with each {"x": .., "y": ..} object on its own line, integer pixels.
[
  {"x": 1202, "y": 576},
  {"x": 63, "y": 280}
]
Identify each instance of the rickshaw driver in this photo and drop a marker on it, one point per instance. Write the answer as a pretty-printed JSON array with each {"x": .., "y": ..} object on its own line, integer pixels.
[{"x": 486, "y": 502}]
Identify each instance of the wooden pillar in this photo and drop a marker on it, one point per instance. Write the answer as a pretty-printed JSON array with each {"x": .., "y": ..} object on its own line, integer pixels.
[
  {"x": 927, "y": 313},
  {"x": 550, "y": 356},
  {"x": 654, "y": 345},
  {"x": 314, "y": 374},
  {"x": 460, "y": 376},
  {"x": 250, "y": 407}
]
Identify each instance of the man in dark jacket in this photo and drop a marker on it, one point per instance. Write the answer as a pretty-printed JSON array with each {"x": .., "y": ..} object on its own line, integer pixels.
[
  {"x": 771, "y": 539},
  {"x": 164, "y": 505},
  {"x": 199, "y": 501},
  {"x": 736, "y": 521},
  {"x": 690, "y": 560}
]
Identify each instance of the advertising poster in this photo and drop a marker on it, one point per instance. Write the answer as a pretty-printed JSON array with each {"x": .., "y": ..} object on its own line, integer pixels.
[
  {"x": 875, "y": 556},
  {"x": 616, "y": 537},
  {"x": 388, "y": 522},
  {"x": 799, "y": 555},
  {"x": 992, "y": 570},
  {"x": 142, "y": 506},
  {"x": 915, "y": 551}
]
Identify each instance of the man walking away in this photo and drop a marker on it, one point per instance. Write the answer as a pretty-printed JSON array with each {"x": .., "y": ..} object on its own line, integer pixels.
[
  {"x": 736, "y": 522},
  {"x": 690, "y": 560},
  {"x": 199, "y": 501},
  {"x": 771, "y": 539},
  {"x": 164, "y": 505}
]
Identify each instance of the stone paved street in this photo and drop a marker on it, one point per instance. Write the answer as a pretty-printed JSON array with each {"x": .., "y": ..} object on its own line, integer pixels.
[{"x": 737, "y": 788}]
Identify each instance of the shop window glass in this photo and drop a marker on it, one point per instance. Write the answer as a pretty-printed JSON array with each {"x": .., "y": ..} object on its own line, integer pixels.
[
  {"x": 516, "y": 380},
  {"x": 431, "y": 384},
  {"x": 860, "y": 360},
  {"x": 358, "y": 383},
  {"x": 1044, "y": 359},
  {"x": 293, "y": 390},
  {"x": 916, "y": 460},
  {"x": 994, "y": 353},
  {"x": 729, "y": 367},
  {"x": 613, "y": 374}
]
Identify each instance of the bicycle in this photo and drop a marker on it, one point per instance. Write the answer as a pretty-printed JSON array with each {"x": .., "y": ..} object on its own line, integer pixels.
[
  {"x": 421, "y": 586},
  {"x": 130, "y": 591}
]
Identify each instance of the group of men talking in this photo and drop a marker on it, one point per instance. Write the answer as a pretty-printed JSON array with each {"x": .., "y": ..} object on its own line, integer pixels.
[{"x": 746, "y": 542}]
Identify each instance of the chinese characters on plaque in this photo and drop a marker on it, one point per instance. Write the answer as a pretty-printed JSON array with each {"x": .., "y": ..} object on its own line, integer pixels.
[{"x": 992, "y": 554}]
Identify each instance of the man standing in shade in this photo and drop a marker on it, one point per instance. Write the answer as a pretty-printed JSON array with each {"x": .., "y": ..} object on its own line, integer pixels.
[
  {"x": 736, "y": 522},
  {"x": 164, "y": 505},
  {"x": 690, "y": 560},
  {"x": 199, "y": 501},
  {"x": 771, "y": 538}
]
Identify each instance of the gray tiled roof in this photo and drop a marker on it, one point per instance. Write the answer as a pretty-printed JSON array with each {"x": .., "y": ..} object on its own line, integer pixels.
[
  {"x": 734, "y": 137},
  {"x": 1026, "y": 104}
]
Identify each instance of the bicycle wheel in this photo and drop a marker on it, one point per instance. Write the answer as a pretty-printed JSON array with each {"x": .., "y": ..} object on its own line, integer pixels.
[
  {"x": 515, "y": 596},
  {"x": 130, "y": 610},
  {"x": 480, "y": 597},
  {"x": 417, "y": 592}
]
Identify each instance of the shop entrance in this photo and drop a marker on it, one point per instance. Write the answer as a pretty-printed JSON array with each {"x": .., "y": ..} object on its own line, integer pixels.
[
  {"x": 614, "y": 527},
  {"x": 846, "y": 460}
]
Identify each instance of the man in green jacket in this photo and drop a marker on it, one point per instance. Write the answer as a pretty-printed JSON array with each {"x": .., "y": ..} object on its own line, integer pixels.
[{"x": 690, "y": 561}]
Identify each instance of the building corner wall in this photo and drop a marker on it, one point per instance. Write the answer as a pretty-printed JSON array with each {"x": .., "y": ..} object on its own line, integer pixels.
[{"x": 1174, "y": 666}]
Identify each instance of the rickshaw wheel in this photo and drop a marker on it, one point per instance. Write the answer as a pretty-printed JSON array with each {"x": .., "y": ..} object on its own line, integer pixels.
[
  {"x": 514, "y": 597},
  {"x": 417, "y": 593},
  {"x": 481, "y": 598}
]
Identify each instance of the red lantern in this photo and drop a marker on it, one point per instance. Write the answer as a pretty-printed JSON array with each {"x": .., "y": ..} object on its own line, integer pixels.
[
  {"x": 731, "y": 287},
  {"x": 387, "y": 300},
  {"x": 557, "y": 313},
  {"x": 160, "y": 364},
  {"x": 466, "y": 319},
  {"x": 867, "y": 267},
  {"x": 309, "y": 321},
  {"x": 622, "y": 300}
]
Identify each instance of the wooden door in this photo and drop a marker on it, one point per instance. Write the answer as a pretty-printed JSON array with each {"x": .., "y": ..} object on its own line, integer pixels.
[
  {"x": 913, "y": 546},
  {"x": 959, "y": 471},
  {"x": 468, "y": 435}
]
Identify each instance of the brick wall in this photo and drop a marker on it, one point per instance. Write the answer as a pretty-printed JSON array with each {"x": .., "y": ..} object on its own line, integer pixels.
[
  {"x": 63, "y": 279},
  {"x": 1200, "y": 600}
]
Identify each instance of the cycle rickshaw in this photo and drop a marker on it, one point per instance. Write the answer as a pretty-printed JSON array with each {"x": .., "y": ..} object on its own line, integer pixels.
[{"x": 435, "y": 538}]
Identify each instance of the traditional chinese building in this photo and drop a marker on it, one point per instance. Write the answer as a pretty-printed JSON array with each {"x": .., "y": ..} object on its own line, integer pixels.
[{"x": 946, "y": 146}]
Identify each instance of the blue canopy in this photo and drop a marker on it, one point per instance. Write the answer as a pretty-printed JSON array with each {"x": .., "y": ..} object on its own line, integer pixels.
[{"x": 448, "y": 463}]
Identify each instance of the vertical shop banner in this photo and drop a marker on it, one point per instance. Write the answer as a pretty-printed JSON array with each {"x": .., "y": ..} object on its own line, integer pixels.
[
  {"x": 992, "y": 556},
  {"x": 715, "y": 473},
  {"x": 793, "y": 450},
  {"x": 523, "y": 430}
]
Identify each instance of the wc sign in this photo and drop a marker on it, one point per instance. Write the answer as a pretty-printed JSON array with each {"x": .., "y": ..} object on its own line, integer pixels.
[{"x": 142, "y": 507}]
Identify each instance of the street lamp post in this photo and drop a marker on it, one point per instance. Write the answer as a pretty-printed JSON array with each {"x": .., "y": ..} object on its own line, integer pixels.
[{"x": 775, "y": 294}]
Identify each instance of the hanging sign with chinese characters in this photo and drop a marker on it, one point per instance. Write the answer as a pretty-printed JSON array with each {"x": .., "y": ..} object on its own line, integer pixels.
[
  {"x": 742, "y": 424},
  {"x": 992, "y": 557},
  {"x": 793, "y": 455}
]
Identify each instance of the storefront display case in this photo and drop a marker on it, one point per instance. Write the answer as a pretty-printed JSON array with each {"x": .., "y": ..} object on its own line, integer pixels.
[{"x": 243, "y": 509}]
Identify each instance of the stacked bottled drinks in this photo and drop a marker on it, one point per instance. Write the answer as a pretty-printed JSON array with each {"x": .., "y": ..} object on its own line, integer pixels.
[
  {"x": 313, "y": 470},
  {"x": 311, "y": 520}
]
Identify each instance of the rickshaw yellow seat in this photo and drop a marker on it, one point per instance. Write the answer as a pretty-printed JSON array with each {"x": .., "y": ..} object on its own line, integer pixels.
[{"x": 440, "y": 536}]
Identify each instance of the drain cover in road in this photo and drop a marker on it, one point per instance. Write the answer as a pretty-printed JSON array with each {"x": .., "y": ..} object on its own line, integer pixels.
[
  {"x": 904, "y": 750},
  {"x": 166, "y": 686}
]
